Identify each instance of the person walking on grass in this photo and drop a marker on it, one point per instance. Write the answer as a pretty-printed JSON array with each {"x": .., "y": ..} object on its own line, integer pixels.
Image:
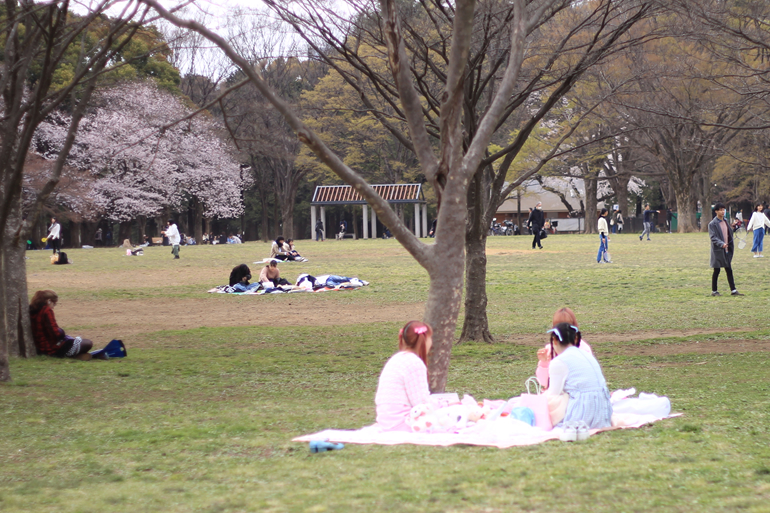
[
  {"x": 319, "y": 231},
  {"x": 648, "y": 221},
  {"x": 54, "y": 235},
  {"x": 172, "y": 232},
  {"x": 602, "y": 256},
  {"x": 722, "y": 249},
  {"x": 757, "y": 224},
  {"x": 535, "y": 222}
]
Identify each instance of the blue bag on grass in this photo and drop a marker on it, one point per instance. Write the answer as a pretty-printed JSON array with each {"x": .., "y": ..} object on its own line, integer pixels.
[{"x": 115, "y": 349}]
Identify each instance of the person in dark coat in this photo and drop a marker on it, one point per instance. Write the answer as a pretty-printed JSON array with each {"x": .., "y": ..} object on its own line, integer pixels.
[
  {"x": 722, "y": 249},
  {"x": 535, "y": 222},
  {"x": 240, "y": 273}
]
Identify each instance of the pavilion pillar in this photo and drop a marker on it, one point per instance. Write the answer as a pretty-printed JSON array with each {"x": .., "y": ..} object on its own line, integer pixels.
[
  {"x": 424, "y": 219},
  {"x": 366, "y": 221},
  {"x": 417, "y": 220},
  {"x": 312, "y": 222},
  {"x": 323, "y": 219},
  {"x": 374, "y": 224}
]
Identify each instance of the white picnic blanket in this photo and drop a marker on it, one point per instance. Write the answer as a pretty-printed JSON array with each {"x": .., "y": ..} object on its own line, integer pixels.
[{"x": 503, "y": 432}]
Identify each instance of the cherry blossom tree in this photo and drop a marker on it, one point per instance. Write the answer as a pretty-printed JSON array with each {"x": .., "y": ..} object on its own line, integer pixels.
[{"x": 147, "y": 153}]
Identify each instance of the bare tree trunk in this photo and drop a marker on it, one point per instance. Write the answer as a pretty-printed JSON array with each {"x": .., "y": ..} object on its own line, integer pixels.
[
  {"x": 263, "y": 217},
  {"x": 276, "y": 217},
  {"x": 142, "y": 222},
  {"x": 15, "y": 331},
  {"x": 590, "y": 216},
  {"x": 686, "y": 203},
  {"x": 124, "y": 232},
  {"x": 75, "y": 236},
  {"x": 184, "y": 224},
  {"x": 476, "y": 322},
  {"x": 287, "y": 218},
  {"x": 446, "y": 288},
  {"x": 198, "y": 221},
  {"x": 704, "y": 196}
]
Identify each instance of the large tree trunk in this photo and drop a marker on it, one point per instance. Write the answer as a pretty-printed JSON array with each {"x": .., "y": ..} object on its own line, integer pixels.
[
  {"x": 446, "y": 288},
  {"x": 198, "y": 220},
  {"x": 287, "y": 217},
  {"x": 278, "y": 230},
  {"x": 15, "y": 331},
  {"x": 686, "y": 215},
  {"x": 184, "y": 225},
  {"x": 704, "y": 196},
  {"x": 75, "y": 236},
  {"x": 125, "y": 232},
  {"x": 590, "y": 213},
  {"x": 142, "y": 222},
  {"x": 263, "y": 231},
  {"x": 476, "y": 322}
]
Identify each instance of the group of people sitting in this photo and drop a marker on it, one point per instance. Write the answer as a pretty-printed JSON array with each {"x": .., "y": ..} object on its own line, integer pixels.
[
  {"x": 270, "y": 278},
  {"x": 283, "y": 249},
  {"x": 567, "y": 370},
  {"x": 211, "y": 238}
]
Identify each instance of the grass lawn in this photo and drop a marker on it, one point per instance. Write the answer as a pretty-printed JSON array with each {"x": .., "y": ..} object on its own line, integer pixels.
[{"x": 200, "y": 416}]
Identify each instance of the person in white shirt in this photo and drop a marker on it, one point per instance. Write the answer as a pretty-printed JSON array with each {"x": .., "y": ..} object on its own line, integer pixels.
[
  {"x": 54, "y": 235},
  {"x": 601, "y": 256},
  {"x": 757, "y": 224},
  {"x": 172, "y": 233}
]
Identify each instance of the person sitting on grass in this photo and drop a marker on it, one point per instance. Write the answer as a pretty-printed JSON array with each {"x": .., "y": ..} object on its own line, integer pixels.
[
  {"x": 545, "y": 354},
  {"x": 579, "y": 375},
  {"x": 271, "y": 276},
  {"x": 239, "y": 279},
  {"x": 278, "y": 249},
  {"x": 403, "y": 382},
  {"x": 49, "y": 338},
  {"x": 292, "y": 253}
]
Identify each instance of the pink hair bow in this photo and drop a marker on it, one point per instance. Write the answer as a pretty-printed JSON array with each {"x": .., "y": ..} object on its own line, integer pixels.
[{"x": 421, "y": 329}]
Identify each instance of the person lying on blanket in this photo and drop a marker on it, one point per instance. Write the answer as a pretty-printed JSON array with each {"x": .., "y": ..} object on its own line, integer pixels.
[
  {"x": 239, "y": 279},
  {"x": 545, "y": 355},
  {"x": 579, "y": 375},
  {"x": 403, "y": 382},
  {"x": 271, "y": 276},
  {"x": 278, "y": 249}
]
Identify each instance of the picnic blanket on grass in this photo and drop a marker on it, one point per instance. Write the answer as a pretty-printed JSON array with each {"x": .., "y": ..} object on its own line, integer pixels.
[
  {"x": 305, "y": 283},
  {"x": 503, "y": 432},
  {"x": 278, "y": 261}
]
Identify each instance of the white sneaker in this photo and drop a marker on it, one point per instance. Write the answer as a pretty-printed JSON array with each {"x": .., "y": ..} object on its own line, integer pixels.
[
  {"x": 756, "y": 256},
  {"x": 569, "y": 432},
  {"x": 582, "y": 431}
]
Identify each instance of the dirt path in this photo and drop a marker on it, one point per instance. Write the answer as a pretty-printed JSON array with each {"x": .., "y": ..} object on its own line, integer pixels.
[{"x": 129, "y": 318}]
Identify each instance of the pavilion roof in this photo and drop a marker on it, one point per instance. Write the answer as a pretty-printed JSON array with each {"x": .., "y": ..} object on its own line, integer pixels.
[{"x": 346, "y": 195}]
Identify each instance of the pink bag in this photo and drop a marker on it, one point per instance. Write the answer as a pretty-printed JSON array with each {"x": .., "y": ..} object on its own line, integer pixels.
[{"x": 538, "y": 403}]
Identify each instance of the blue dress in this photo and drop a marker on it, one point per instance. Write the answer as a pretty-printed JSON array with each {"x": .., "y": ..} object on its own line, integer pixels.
[{"x": 589, "y": 399}]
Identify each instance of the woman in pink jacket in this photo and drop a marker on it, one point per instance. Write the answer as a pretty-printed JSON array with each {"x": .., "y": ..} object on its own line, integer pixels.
[
  {"x": 404, "y": 379},
  {"x": 544, "y": 355}
]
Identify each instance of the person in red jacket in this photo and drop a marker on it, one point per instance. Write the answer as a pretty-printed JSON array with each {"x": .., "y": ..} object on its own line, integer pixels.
[{"x": 49, "y": 338}]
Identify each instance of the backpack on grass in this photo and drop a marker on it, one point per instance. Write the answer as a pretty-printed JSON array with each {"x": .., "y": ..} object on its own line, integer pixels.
[{"x": 115, "y": 349}]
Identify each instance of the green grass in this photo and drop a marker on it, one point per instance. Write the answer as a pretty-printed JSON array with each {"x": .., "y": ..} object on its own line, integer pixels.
[{"x": 202, "y": 420}]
